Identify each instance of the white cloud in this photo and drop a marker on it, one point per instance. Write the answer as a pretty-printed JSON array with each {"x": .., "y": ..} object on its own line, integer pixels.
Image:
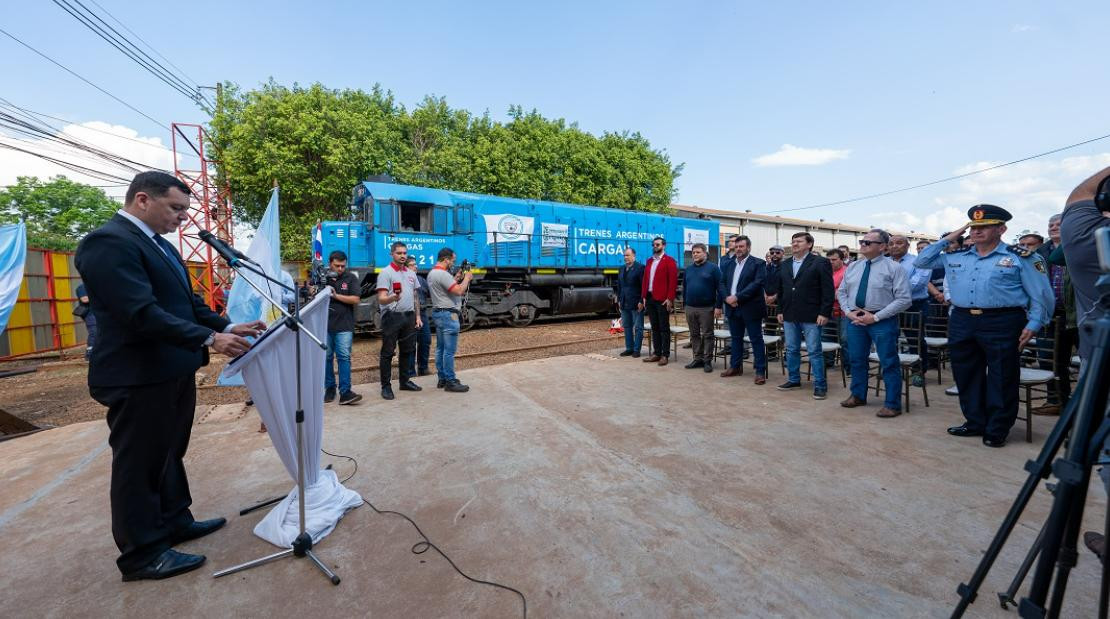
[
  {"x": 1020, "y": 28},
  {"x": 116, "y": 139},
  {"x": 1032, "y": 191},
  {"x": 796, "y": 155}
]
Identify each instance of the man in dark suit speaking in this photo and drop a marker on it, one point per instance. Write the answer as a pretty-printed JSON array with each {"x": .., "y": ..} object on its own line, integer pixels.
[{"x": 155, "y": 335}]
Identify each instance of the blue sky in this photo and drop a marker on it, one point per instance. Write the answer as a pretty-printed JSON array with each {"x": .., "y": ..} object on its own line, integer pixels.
[{"x": 873, "y": 96}]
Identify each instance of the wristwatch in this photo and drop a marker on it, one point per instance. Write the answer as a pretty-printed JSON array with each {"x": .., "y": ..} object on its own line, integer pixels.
[{"x": 210, "y": 339}]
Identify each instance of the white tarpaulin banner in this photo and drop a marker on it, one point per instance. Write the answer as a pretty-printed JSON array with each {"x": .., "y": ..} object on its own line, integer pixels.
[
  {"x": 270, "y": 372},
  {"x": 508, "y": 228},
  {"x": 554, "y": 235},
  {"x": 693, "y": 235}
]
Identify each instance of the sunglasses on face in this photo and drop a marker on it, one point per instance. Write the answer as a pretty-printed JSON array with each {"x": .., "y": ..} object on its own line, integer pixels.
[
  {"x": 775, "y": 251},
  {"x": 868, "y": 243}
]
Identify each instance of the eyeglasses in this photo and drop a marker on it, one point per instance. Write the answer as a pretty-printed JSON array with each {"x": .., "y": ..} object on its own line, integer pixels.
[
  {"x": 776, "y": 251},
  {"x": 867, "y": 243}
]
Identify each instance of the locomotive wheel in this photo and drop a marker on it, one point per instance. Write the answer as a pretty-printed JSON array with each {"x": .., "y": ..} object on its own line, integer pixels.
[{"x": 522, "y": 315}]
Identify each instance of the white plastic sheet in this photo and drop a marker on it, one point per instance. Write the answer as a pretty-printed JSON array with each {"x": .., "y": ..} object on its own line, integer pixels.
[{"x": 269, "y": 371}]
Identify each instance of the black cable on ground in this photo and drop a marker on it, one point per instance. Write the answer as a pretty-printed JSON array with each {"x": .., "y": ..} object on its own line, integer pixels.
[{"x": 420, "y": 548}]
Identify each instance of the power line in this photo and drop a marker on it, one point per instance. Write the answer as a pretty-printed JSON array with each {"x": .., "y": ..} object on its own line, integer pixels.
[
  {"x": 43, "y": 131},
  {"x": 151, "y": 48},
  {"x": 27, "y": 112},
  {"x": 74, "y": 74},
  {"x": 98, "y": 174},
  {"x": 943, "y": 180},
  {"x": 129, "y": 49}
]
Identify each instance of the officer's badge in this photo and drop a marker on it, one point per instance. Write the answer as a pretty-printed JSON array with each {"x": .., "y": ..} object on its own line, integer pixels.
[
  {"x": 1006, "y": 262},
  {"x": 977, "y": 214},
  {"x": 1039, "y": 265}
]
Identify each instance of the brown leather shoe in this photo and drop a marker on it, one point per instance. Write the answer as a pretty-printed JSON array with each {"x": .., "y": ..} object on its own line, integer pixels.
[
  {"x": 887, "y": 413},
  {"x": 651, "y": 359},
  {"x": 760, "y": 379},
  {"x": 1096, "y": 543},
  {"x": 853, "y": 402},
  {"x": 664, "y": 360},
  {"x": 1047, "y": 409},
  {"x": 732, "y": 372}
]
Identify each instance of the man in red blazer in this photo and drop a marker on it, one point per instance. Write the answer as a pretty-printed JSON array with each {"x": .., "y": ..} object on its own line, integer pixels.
[{"x": 660, "y": 284}]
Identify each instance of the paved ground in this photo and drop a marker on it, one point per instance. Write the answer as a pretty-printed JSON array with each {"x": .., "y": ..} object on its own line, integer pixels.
[{"x": 600, "y": 487}]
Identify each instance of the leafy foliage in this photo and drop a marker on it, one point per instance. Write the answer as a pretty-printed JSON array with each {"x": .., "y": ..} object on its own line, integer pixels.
[
  {"x": 317, "y": 143},
  {"x": 58, "y": 212}
]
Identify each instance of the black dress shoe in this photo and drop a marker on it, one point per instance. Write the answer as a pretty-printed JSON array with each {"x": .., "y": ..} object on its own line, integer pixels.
[
  {"x": 694, "y": 364},
  {"x": 387, "y": 392},
  {"x": 708, "y": 368},
  {"x": 993, "y": 442},
  {"x": 964, "y": 431},
  {"x": 627, "y": 353},
  {"x": 440, "y": 384},
  {"x": 408, "y": 385},
  {"x": 169, "y": 563},
  {"x": 199, "y": 528}
]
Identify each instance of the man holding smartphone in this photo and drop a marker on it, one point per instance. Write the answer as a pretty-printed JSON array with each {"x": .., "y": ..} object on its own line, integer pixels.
[
  {"x": 400, "y": 320},
  {"x": 874, "y": 291}
]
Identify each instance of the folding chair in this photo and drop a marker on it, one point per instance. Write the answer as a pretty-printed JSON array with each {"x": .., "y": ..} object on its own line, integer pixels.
[
  {"x": 1033, "y": 379},
  {"x": 936, "y": 336},
  {"x": 830, "y": 343}
]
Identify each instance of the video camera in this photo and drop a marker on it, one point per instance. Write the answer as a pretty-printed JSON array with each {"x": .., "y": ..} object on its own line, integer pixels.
[
  {"x": 462, "y": 268},
  {"x": 320, "y": 275}
]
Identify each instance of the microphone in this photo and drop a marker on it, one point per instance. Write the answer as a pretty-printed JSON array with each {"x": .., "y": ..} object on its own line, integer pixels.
[{"x": 227, "y": 252}]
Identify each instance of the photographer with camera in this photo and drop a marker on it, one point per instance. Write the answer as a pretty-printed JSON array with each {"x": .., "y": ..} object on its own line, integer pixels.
[
  {"x": 400, "y": 320},
  {"x": 448, "y": 287},
  {"x": 341, "y": 327}
]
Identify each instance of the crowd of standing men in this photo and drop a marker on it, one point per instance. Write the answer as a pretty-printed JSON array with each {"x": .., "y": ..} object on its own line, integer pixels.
[{"x": 996, "y": 298}]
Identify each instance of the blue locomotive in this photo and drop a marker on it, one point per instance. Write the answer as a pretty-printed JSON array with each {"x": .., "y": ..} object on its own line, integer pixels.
[{"x": 529, "y": 257}]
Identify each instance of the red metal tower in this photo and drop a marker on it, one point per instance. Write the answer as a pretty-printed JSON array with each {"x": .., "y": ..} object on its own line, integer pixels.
[{"x": 210, "y": 209}]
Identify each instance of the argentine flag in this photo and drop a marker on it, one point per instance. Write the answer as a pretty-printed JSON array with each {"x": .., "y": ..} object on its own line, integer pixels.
[
  {"x": 13, "y": 254},
  {"x": 244, "y": 304}
]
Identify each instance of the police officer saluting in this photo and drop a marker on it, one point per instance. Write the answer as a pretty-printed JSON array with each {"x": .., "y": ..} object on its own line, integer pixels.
[{"x": 1000, "y": 298}]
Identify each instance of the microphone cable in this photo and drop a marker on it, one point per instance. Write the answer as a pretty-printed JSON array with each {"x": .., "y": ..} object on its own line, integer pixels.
[{"x": 423, "y": 546}]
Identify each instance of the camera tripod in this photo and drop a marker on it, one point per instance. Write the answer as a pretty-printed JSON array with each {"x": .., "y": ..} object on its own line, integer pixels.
[{"x": 1085, "y": 426}]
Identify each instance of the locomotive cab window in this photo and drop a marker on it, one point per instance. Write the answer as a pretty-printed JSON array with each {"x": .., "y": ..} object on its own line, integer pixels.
[{"x": 415, "y": 216}]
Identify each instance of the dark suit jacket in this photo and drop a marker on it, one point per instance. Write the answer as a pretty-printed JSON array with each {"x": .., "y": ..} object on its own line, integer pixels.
[
  {"x": 152, "y": 326},
  {"x": 749, "y": 288},
  {"x": 810, "y": 294},
  {"x": 630, "y": 281}
]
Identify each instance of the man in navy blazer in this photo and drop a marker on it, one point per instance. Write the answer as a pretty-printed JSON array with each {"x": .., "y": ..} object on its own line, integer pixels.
[
  {"x": 742, "y": 288},
  {"x": 156, "y": 334},
  {"x": 630, "y": 281}
]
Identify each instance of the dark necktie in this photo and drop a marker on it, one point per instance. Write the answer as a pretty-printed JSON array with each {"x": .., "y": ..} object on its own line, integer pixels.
[
  {"x": 861, "y": 294},
  {"x": 168, "y": 249}
]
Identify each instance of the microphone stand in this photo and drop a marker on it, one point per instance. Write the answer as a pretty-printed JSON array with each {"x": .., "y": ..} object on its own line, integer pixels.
[{"x": 302, "y": 546}]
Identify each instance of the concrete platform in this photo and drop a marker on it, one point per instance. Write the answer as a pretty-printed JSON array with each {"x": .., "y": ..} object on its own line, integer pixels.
[{"x": 599, "y": 487}]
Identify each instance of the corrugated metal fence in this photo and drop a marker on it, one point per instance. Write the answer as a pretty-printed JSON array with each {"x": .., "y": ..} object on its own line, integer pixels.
[{"x": 43, "y": 319}]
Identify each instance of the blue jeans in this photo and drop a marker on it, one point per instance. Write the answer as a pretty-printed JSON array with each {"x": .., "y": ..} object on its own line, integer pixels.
[
  {"x": 632, "y": 321},
  {"x": 884, "y": 334},
  {"x": 447, "y": 342},
  {"x": 339, "y": 347},
  {"x": 793, "y": 332}
]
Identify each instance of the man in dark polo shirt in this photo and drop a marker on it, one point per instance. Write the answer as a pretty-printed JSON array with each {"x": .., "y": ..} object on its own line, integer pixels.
[{"x": 341, "y": 328}]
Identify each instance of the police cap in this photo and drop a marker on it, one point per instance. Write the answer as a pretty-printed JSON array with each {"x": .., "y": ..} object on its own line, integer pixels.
[{"x": 988, "y": 215}]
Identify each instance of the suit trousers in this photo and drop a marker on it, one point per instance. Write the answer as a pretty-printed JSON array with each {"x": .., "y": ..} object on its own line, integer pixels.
[
  {"x": 700, "y": 321},
  {"x": 148, "y": 430},
  {"x": 660, "y": 327},
  {"x": 985, "y": 364},
  {"x": 737, "y": 327},
  {"x": 398, "y": 331}
]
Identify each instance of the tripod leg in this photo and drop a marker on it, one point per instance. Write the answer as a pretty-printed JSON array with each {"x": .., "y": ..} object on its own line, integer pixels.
[
  {"x": 323, "y": 568},
  {"x": 255, "y": 563},
  {"x": 1038, "y": 469},
  {"x": 1068, "y": 554},
  {"x": 1007, "y": 597}
]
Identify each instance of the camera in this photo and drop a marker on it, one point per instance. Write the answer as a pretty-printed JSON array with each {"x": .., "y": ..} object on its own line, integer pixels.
[
  {"x": 462, "y": 268},
  {"x": 321, "y": 275}
]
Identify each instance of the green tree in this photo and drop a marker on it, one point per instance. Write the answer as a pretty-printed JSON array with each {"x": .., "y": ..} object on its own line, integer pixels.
[
  {"x": 58, "y": 212},
  {"x": 317, "y": 143}
]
